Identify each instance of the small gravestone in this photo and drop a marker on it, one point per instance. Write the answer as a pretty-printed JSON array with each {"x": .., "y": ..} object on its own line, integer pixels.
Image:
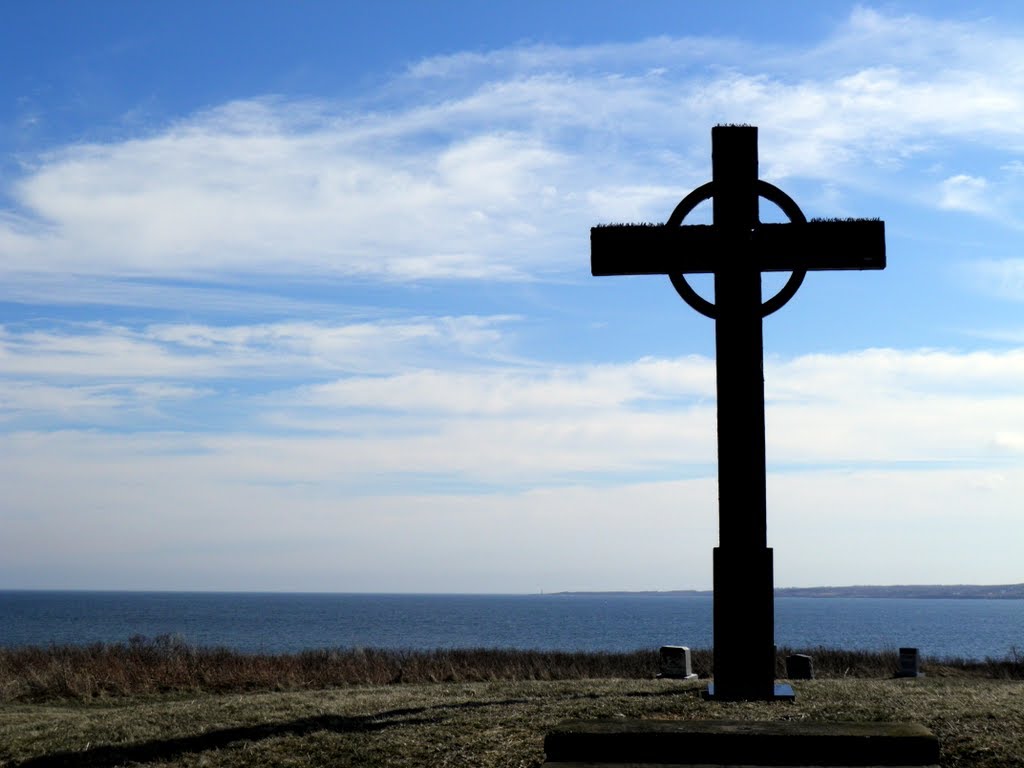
[
  {"x": 910, "y": 663},
  {"x": 676, "y": 663},
  {"x": 799, "y": 667}
]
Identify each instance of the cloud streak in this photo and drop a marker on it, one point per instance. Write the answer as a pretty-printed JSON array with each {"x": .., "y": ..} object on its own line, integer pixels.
[
  {"x": 431, "y": 396},
  {"x": 517, "y": 152}
]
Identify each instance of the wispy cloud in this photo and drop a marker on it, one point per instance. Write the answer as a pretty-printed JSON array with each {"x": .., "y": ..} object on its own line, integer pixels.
[
  {"x": 434, "y": 397},
  {"x": 201, "y": 351},
  {"x": 514, "y": 153}
]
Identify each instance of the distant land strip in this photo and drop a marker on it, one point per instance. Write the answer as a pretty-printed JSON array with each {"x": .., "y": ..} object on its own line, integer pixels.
[{"x": 955, "y": 591}]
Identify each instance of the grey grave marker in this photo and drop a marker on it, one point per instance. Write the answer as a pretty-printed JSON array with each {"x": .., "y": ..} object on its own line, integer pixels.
[
  {"x": 910, "y": 663},
  {"x": 799, "y": 667},
  {"x": 676, "y": 662}
]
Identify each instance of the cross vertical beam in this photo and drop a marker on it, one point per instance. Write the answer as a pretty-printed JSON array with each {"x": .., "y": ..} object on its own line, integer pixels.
[
  {"x": 739, "y": 345},
  {"x": 744, "y": 616}
]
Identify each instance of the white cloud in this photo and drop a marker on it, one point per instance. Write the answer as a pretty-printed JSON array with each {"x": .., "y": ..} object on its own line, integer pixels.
[
  {"x": 827, "y": 527},
  {"x": 252, "y": 188},
  {"x": 965, "y": 193},
  {"x": 335, "y": 404},
  {"x": 200, "y": 351},
  {"x": 524, "y": 391},
  {"x": 499, "y": 173},
  {"x": 368, "y": 465}
]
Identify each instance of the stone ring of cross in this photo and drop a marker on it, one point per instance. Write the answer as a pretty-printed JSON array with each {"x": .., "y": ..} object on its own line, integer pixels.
[{"x": 705, "y": 192}]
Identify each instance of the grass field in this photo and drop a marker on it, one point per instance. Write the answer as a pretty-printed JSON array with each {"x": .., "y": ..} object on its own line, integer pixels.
[{"x": 977, "y": 711}]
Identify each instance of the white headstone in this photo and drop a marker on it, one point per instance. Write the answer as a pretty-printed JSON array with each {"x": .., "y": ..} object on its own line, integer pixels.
[{"x": 675, "y": 662}]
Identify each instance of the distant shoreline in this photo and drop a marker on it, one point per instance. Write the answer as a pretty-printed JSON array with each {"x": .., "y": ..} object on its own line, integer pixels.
[
  {"x": 904, "y": 591},
  {"x": 927, "y": 591}
]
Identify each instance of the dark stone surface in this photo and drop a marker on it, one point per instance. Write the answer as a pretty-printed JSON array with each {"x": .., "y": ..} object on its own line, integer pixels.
[
  {"x": 727, "y": 742},
  {"x": 736, "y": 248},
  {"x": 799, "y": 667},
  {"x": 744, "y": 623},
  {"x": 910, "y": 663}
]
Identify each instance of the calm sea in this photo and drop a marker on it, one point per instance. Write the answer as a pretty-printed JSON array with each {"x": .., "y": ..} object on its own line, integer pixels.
[{"x": 263, "y": 622}]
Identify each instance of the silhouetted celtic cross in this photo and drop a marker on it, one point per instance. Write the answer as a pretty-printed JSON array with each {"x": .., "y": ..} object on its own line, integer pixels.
[{"x": 736, "y": 248}]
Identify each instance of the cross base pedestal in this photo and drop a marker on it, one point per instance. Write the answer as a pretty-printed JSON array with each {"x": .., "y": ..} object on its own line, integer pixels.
[
  {"x": 744, "y": 631},
  {"x": 780, "y": 692},
  {"x": 665, "y": 743}
]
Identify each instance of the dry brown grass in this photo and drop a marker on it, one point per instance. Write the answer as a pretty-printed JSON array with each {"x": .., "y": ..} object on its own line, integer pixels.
[
  {"x": 166, "y": 665},
  {"x": 498, "y": 724}
]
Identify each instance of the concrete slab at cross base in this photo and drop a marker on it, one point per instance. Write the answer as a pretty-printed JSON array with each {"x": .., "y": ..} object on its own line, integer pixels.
[
  {"x": 780, "y": 692},
  {"x": 664, "y": 743}
]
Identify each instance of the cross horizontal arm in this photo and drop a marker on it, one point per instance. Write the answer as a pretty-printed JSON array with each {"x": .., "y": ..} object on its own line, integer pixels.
[{"x": 657, "y": 249}]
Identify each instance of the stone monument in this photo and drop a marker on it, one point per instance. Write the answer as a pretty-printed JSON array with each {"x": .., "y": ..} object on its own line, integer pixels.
[{"x": 736, "y": 248}]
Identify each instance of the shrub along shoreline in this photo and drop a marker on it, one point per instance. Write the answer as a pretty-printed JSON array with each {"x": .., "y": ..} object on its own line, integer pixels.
[{"x": 166, "y": 664}]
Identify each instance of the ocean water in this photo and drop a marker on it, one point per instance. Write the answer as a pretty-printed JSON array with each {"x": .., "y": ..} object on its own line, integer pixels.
[{"x": 280, "y": 623}]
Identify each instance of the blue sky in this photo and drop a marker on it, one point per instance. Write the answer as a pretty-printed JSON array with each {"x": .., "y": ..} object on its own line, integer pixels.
[{"x": 297, "y": 296}]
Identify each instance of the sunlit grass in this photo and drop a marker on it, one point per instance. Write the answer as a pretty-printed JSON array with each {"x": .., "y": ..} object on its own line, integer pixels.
[
  {"x": 979, "y": 722},
  {"x": 161, "y": 701}
]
